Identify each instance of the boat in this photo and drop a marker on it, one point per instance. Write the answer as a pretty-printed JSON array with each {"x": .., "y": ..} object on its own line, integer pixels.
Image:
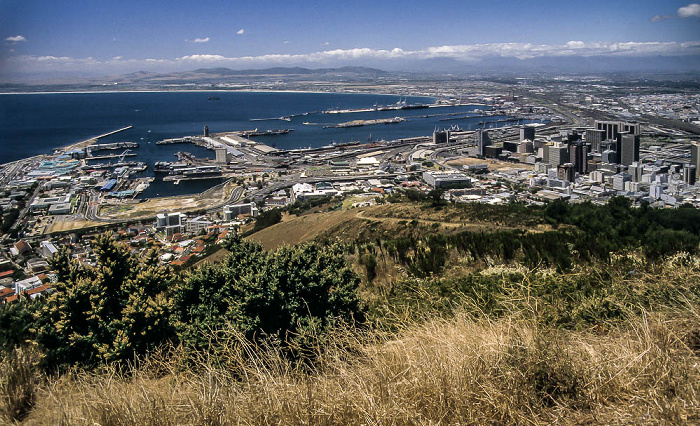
[
  {"x": 271, "y": 132},
  {"x": 162, "y": 167},
  {"x": 214, "y": 98}
]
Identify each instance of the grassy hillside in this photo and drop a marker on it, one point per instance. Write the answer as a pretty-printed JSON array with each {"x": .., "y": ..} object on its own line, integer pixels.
[
  {"x": 453, "y": 315},
  {"x": 463, "y": 368}
]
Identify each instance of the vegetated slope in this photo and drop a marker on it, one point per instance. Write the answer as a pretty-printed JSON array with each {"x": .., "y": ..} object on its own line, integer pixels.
[
  {"x": 594, "y": 320},
  {"x": 526, "y": 365},
  {"x": 392, "y": 220}
]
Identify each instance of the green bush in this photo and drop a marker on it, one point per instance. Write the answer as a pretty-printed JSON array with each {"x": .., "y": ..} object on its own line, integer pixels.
[{"x": 261, "y": 293}]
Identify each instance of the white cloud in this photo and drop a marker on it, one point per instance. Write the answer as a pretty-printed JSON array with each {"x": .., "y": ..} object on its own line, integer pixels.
[
  {"x": 202, "y": 58},
  {"x": 693, "y": 9},
  {"x": 16, "y": 39},
  {"x": 285, "y": 42},
  {"x": 465, "y": 53},
  {"x": 241, "y": 31},
  {"x": 201, "y": 40},
  {"x": 659, "y": 18},
  {"x": 325, "y": 43}
]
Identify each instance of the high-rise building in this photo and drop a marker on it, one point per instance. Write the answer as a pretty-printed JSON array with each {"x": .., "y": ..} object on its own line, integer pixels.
[
  {"x": 695, "y": 158},
  {"x": 613, "y": 128},
  {"x": 595, "y": 137},
  {"x": 566, "y": 172},
  {"x": 206, "y": 131},
  {"x": 221, "y": 156},
  {"x": 609, "y": 156},
  {"x": 618, "y": 181},
  {"x": 510, "y": 146},
  {"x": 689, "y": 174},
  {"x": 527, "y": 133},
  {"x": 636, "y": 171},
  {"x": 578, "y": 156},
  {"x": 170, "y": 223},
  {"x": 482, "y": 141},
  {"x": 558, "y": 154},
  {"x": 629, "y": 149},
  {"x": 441, "y": 136}
]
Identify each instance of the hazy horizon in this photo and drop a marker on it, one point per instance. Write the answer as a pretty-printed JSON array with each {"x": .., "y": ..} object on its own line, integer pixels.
[{"x": 86, "y": 39}]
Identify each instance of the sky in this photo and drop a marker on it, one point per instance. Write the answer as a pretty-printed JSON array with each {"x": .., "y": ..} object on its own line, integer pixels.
[{"x": 94, "y": 37}]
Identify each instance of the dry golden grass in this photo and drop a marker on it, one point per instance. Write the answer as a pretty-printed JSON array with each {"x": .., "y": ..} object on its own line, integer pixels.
[
  {"x": 457, "y": 371},
  {"x": 296, "y": 230}
]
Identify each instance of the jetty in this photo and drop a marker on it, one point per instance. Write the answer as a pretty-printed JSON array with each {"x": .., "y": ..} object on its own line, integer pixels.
[
  {"x": 93, "y": 140},
  {"x": 113, "y": 146}
]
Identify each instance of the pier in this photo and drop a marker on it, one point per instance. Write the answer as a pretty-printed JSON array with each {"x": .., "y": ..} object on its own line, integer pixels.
[
  {"x": 110, "y": 156},
  {"x": 113, "y": 146},
  {"x": 92, "y": 141}
]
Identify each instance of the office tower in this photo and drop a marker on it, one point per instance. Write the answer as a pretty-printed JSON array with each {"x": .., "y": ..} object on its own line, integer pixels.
[
  {"x": 689, "y": 174},
  {"x": 566, "y": 172},
  {"x": 629, "y": 149},
  {"x": 221, "y": 156},
  {"x": 695, "y": 158},
  {"x": 595, "y": 137},
  {"x": 632, "y": 128},
  {"x": 527, "y": 132},
  {"x": 636, "y": 171},
  {"x": 441, "y": 136},
  {"x": 510, "y": 146},
  {"x": 609, "y": 156},
  {"x": 482, "y": 140},
  {"x": 578, "y": 156},
  {"x": 613, "y": 128},
  {"x": 206, "y": 131},
  {"x": 558, "y": 154}
]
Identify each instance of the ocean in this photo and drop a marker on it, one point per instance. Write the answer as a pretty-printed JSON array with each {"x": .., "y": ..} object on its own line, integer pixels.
[{"x": 32, "y": 124}]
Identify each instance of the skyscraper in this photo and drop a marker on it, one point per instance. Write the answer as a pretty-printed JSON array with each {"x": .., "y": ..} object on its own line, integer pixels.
[
  {"x": 636, "y": 171},
  {"x": 441, "y": 136},
  {"x": 629, "y": 149},
  {"x": 689, "y": 174},
  {"x": 482, "y": 140},
  {"x": 527, "y": 132},
  {"x": 595, "y": 137},
  {"x": 558, "y": 154},
  {"x": 695, "y": 158},
  {"x": 611, "y": 128},
  {"x": 578, "y": 156}
]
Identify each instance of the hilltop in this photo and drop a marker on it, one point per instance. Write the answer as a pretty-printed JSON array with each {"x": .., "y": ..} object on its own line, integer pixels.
[{"x": 413, "y": 309}]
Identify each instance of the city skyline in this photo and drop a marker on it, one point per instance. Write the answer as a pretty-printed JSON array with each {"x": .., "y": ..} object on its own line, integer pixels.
[{"x": 95, "y": 38}]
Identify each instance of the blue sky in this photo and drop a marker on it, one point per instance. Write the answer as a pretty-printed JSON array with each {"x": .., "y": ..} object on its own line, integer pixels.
[{"x": 121, "y": 36}]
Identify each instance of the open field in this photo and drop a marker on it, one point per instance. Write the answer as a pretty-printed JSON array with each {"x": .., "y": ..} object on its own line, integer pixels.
[
  {"x": 388, "y": 220},
  {"x": 495, "y": 165},
  {"x": 72, "y": 225},
  {"x": 153, "y": 206}
]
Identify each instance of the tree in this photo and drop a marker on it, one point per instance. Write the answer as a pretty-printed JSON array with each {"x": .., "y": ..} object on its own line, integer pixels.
[
  {"x": 107, "y": 312},
  {"x": 17, "y": 320},
  {"x": 261, "y": 293}
]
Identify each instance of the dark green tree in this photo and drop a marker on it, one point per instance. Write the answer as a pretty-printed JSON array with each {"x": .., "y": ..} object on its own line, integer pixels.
[
  {"x": 107, "y": 312},
  {"x": 261, "y": 293}
]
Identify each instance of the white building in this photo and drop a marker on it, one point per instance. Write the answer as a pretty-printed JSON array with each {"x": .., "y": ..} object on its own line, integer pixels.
[
  {"x": 195, "y": 225},
  {"x": 170, "y": 223},
  {"x": 233, "y": 211},
  {"x": 443, "y": 179},
  {"x": 48, "y": 250}
]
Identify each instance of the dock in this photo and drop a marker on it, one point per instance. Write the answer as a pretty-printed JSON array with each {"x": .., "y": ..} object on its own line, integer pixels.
[
  {"x": 93, "y": 140},
  {"x": 110, "y": 156},
  {"x": 113, "y": 146}
]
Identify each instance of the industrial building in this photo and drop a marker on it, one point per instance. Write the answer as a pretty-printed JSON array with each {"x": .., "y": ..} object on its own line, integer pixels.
[{"x": 447, "y": 179}]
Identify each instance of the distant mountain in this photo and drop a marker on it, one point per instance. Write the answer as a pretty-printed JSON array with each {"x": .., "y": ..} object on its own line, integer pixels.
[{"x": 290, "y": 71}]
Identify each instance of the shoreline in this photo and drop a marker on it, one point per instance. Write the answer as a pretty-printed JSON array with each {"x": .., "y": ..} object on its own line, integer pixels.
[{"x": 85, "y": 92}]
